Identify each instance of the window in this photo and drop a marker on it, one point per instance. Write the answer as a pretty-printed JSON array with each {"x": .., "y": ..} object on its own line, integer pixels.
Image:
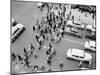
[
  {"x": 15, "y": 31},
  {"x": 75, "y": 56}
]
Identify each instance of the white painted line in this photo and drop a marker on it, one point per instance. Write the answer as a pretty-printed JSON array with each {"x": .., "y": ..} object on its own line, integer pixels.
[{"x": 74, "y": 41}]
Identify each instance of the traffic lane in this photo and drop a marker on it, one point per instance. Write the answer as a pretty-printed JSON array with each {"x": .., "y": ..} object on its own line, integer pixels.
[
  {"x": 61, "y": 51},
  {"x": 62, "y": 48}
]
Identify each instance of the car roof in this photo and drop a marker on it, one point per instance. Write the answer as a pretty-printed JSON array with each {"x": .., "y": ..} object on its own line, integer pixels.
[
  {"x": 14, "y": 29},
  {"x": 77, "y": 52}
]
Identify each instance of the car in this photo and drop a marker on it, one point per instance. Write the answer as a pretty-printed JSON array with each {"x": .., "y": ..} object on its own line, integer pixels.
[
  {"x": 90, "y": 45},
  {"x": 16, "y": 31},
  {"x": 90, "y": 33},
  {"x": 78, "y": 24},
  {"x": 13, "y": 22},
  {"x": 91, "y": 28},
  {"x": 75, "y": 24},
  {"x": 73, "y": 32},
  {"x": 92, "y": 37},
  {"x": 79, "y": 55}
]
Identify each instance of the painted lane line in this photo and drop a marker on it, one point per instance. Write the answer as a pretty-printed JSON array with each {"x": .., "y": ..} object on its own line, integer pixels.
[{"x": 74, "y": 41}]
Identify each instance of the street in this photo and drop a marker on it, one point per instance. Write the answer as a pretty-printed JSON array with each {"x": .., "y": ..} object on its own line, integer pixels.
[{"x": 27, "y": 14}]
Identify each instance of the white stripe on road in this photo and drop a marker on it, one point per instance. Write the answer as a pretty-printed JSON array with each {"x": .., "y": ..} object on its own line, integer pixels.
[{"x": 74, "y": 41}]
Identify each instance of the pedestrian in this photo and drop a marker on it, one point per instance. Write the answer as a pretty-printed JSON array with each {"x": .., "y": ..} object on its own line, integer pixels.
[
  {"x": 80, "y": 64},
  {"x": 49, "y": 70},
  {"x": 34, "y": 28},
  {"x": 73, "y": 18},
  {"x": 47, "y": 53},
  {"x": 31, "y": 46},
  {"x": 50, "y": 56},
  {"x": 44, "y": 36},
  {"x": 25, "y": 52},
  {"x": 30, "y": 50},
  {"x": 43, "y": 68},
  {"x": 53, "y": 52},
  {"x": 19, "y": 58},
  {"x": 50, "y": 46},
  {"x": 13, "y": 56},
  {"x": 49, "y": 62},
  {"x": 36, "y": 67},
  {"x": 37, "y": 37},
  {"x": 35, "y": 55},
  {"x": 26, "y": 61},
  {"x": 61, "y": 64},
  {"x": 40, "y": 44},
  {"x": 49, "y": 50}
]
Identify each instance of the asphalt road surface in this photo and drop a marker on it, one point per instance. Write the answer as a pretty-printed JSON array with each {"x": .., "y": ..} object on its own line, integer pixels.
[{"x": 26, "y": 13}]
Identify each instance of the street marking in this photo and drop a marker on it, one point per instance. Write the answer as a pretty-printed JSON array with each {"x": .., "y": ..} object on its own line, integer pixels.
[{"x": 74, "y": 41}]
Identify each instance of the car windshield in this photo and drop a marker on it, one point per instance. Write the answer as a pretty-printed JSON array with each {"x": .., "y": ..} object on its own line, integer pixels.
[
  {"x": 74, "y": 30},
  {"x": 92, "y": 47},
  {"x": 81, "y": 57},
  {"x": 15, "y": 31},
  {"x": 76, "y": 24},
  {"x": 75, "y": 56}
]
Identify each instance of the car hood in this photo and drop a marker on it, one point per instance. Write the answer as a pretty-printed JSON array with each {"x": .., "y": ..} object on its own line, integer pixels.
[
  {"x": 92, "y": 43},
  {"x": 87, "y": 57}
]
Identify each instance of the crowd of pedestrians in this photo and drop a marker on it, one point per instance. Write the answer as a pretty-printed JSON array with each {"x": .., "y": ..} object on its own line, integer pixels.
[{"x": 52, "y": 27}]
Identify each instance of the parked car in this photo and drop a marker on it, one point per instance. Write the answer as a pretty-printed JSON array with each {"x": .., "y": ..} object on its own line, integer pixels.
[
  {"x": 90, "y": 45},
  {"x": 73, "y": 32},
  {"x": 79, "y": 55},
  {"x": 91, "y": 36},
  {"x": 91, "y": 32},
  {"x": 75, "y": 24},
  {"x": 91, "y": 28},
  {"x": 13, "y": 22},
  {"x": 16, "y": 31},
  {"x": 79, "y": 25}
]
